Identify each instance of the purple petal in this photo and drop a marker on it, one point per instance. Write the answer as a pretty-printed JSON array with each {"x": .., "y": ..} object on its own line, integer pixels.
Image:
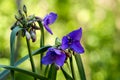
[
  {"x": 52, "y": 17},
  {"x": 49, "y": 19},
  {"x": 54, "y": 56},
  {"x": 77, "y": 47},
  {"x": 60, "y": 59},
  {"x": 58, "y": 52},
  {"x": 76, "y": 34},
  {"x": 48, "y": 29},
  {"x": 64, "y": 43},
  {"x": 47, "y": 59}
]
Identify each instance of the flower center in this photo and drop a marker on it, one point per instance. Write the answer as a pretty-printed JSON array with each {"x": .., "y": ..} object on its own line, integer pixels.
[
  {"x": 48, "y": 21},
  {"x": 53, "y": 54},
  {"x": 69, "y": 40}
]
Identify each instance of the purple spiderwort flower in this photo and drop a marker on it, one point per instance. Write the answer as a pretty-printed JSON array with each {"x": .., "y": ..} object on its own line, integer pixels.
[
  {"x": 49, "y": 19},
  {"x": 72, "y": 41},
  {"x": 54, "y": 56}
]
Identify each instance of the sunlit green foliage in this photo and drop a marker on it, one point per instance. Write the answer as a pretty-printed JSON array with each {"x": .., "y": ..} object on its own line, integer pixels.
[{"x": 100, "y": 20}]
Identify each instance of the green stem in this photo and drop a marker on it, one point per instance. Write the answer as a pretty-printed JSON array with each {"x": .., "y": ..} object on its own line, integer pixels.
[
  {"x": 12, "y": 75},
  {"x": 72, "y": 68},
  {"x": 46, "y": 70},
  {"x": 41, "y": 40},
  {"x": 52, "y": 72},
  {"x": 30, "y": 55},
  {"x": 80, "y": 66}
]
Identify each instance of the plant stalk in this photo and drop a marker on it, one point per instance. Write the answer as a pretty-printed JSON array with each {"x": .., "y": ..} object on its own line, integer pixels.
[
  {"x": 72, "y": 68},
  {"x": 30, "y": 56},
  {"x": 41, "y": 40},
  {"x": 80, "y": 66}
]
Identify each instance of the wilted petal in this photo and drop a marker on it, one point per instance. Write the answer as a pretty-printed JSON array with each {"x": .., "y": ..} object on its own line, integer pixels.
[
  {"x": 64, "y": 43},
  {"x": 76, "y": 34},
  {"x": 60, "y": 59},
  {"x": 77, "y": 47}
]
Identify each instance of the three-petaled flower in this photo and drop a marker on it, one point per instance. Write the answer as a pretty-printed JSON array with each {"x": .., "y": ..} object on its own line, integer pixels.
[
  {"x": 49, "y": 19},
  {"x": 54, "y": 55},
  {"x": 72, "y": 41}
]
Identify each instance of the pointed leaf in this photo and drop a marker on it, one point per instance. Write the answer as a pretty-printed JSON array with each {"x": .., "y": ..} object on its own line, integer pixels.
[
  {"x": 24, "y": 71},
  {"x": 4, "y": 73},
  {"x": 52, "y": 72},
  {"x": 12, "y": 47},
  {"x": 12, "y": 43},
  {"x": 67, "y": 76},
  {"x": 80, "y": 66}
]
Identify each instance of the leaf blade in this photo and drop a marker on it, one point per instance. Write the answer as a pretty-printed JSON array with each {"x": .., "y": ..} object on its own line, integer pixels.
[
  {"x": 24, "y": 71},
  {"x": 52, "y": 72},
  {"x": 80, "y": 66},
  {"x": 67, "y": 76},
  {"x": 12, "y": 44},
  {"x": 38, "y": 51}
]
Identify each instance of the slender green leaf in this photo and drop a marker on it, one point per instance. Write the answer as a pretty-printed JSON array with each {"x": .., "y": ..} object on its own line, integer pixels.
[
  {"x": 52, "y": 72},
  {"x": 72, "y": 68},
  {"x": 12, "y": 47},
  {"x": 24, "y": 71},
  {"x": 46, "y": 70},
  {"x": 67, "y": 76},
  {"x": 41, "y": 50},
  {"x": 38, "y": 51},
  {"x": 4, "y": 73},
  {"x": 12, "y": 43},
  {"x": 80, "y": 66}
]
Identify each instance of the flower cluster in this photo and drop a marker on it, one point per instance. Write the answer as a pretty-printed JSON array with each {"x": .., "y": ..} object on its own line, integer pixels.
[
  {"x": 28, "y": 23},
  {"x": 58, "y": 55},
  {"x": 55, "y": 55}
]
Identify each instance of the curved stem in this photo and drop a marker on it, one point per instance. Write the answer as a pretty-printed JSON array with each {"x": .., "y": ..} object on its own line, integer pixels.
[
  {"x": 41, "y": 40},
  {"x": 30, "y": 56}
]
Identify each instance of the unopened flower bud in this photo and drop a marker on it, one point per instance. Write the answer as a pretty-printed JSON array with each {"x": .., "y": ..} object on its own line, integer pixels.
[
  {"x": 23, "y": 32},
  {"x": 27, "y": 35},
  {"x": 25, "y": 9},
  {"x": 31, "y": 17},
  {"x": 57, "y": 41},
  {"x": 13, "y": 26},
  {"x": 57, "y": 66},
  {"x": 20, "y": 12},
  {"x": 33, "y": 35},
  {"x": 36, "y": 27},
  {"x": 17, "y": 18}
]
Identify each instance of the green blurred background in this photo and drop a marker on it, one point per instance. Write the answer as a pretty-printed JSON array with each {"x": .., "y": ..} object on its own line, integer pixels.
[{"x": 100, "y": 20}]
